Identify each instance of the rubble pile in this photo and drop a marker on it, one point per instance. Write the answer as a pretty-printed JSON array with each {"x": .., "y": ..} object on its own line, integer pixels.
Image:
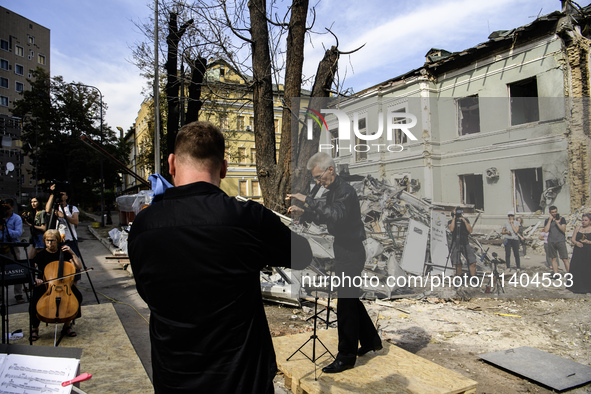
[{"x": 386, "y": 211}]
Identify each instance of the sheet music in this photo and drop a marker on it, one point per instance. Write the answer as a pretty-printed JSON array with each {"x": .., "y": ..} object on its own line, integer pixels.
[{"x": 20, "y": 374}]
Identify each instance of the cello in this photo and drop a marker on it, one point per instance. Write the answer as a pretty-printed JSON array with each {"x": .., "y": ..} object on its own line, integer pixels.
[{"x": 58, "y": 304}]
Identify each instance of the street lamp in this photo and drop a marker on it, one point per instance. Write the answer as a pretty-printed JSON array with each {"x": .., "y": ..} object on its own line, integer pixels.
[{"x": 101, "y": 157}]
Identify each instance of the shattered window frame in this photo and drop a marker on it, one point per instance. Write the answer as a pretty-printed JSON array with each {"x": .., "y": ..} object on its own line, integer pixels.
[
  {"x": 524, "y": 104},
  {"x": 467, "y": 188},
  {"x": 530, "y": 188},
  {"x": 334, "y": 140},
  {"x": 362, "y": 127},
  {"x": 468, "y": 115}
]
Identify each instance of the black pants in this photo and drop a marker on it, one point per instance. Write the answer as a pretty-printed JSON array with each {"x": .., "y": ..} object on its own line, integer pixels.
[
  {"x": 354, "y": 324},
  {"x": 512, "y": 244}
]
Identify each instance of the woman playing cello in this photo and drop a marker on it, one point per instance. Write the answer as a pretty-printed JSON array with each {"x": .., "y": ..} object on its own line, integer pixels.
[{"x": 48, "y": 256}]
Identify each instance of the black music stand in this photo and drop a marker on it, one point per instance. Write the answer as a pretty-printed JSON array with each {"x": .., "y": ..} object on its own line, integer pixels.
[
  {"x": 314, "y": 337},
  {"x": 19, "y": 273}
]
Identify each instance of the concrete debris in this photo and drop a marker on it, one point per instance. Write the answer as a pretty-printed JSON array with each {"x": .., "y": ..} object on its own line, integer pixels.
[{"x": 386, "y": 211}]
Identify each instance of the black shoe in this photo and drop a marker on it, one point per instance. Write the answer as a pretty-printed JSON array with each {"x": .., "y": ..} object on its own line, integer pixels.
[
  {"x": 366, "y": 349},
  {"x": 338, "y": 366}
]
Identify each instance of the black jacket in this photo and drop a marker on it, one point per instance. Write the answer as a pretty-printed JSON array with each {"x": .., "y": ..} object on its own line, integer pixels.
[
  {"x": 340, "y": 212},
  {"x": 196, "y": 256}
]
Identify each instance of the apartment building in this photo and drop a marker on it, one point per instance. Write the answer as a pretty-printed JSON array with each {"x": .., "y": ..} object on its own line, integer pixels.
[{"x": 24, "y": 46}]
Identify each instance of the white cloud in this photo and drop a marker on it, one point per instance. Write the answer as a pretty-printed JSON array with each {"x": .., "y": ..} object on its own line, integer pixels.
[{"x": 396, "y": 38}]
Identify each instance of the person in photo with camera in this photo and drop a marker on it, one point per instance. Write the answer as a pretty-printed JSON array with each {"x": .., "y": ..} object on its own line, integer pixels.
[
  {"x": 555, "y": 226},
  {"x": 37, "y": 222},
  {"x": 511, "y": 232},
  {"x": 67, "y": 217},
  {"x": 11, "y": 229},
  {"x": 342, "y": 215},
  {"x": 461, "y": 229}
]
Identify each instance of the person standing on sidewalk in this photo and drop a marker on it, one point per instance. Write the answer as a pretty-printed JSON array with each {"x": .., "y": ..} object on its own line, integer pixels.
[{"x": 511, "y": 232}]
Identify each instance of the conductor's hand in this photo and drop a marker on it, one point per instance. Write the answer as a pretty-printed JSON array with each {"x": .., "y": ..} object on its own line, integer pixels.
[
  {"x": 297, "y": 196},
  {"x": 297, "y": 211}
]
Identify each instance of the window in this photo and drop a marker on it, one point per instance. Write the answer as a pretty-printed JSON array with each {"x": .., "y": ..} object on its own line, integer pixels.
[
  {"x": 251, "y": 122},
  {"x": 400, "y": 136},
  {"x": 528, "y": 188},
  {"x": 30, "y": 39},
  {"x": 4, "y": 82},
  {"x": 31, "y": 54},
  {"x": 20, "y": 51},
  {"x": 471, "y": 190},
  {"x": 4, "y": 101},
  {"x": 4, "y": 64},
  {"x": 241, "y": 155},
  {"x": 4, "y": 45},
  {"x": 18, "y": 69},
  {"x": 276, "y": 124},
  {"x": 240, "y": 123},
  {"x": 524, "y": 101},
  {"x": 334, "y": 140},
  {"x": 360, "y": 151},
  {"x": 253, "y": 155},
  {"x": 242, "y": 190},
  {"x": 469, "y": 115},
  {"x": 20, "y": 87},
  {"x": 224, "y": 123},
  {"x": 256, "y": 188},
  {"x": 41, "y": 59}
]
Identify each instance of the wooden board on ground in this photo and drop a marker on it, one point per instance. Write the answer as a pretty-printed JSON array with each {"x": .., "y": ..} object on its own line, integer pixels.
[
  {"x": 391, "y": 370},
  {"x": 107, "y": 353}
]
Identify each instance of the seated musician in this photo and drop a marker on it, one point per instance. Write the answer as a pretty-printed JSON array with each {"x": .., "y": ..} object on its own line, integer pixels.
[{"x": 51, "y": 253}]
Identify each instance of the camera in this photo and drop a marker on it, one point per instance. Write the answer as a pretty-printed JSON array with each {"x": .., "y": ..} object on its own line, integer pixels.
[{"x": 459, "y": 212}]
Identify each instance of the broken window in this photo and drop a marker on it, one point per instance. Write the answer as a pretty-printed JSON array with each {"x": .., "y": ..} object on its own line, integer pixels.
[
  {"x": 524, "y": 101},
  {"x": 400, "y": 136},
  {"x": 528, "y": 187},
  {"x": 360, "y": 146},
  {"x": 472, "y": 190},
  {"x": 334, "y": 140},
  {"x": 469, "y": 115}
]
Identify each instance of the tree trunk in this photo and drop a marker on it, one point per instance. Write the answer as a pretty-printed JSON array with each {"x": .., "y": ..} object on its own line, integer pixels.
[
  {"x": 303, "y": 148},
  {"x": 198, "y": 68},
  {"x": 264, "y": 130},
  {"x": 172, "y": 81},
  {"x": 293, "y": 88}
]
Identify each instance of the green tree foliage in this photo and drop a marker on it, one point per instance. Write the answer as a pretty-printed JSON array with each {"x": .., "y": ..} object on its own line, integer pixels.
[{"x": 56, "y": 114}]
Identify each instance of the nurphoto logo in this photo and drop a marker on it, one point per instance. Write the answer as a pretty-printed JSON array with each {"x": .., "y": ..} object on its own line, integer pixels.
[{"x": 397, "y": 122}]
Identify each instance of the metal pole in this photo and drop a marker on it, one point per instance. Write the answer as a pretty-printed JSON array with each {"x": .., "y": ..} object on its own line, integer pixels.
[{"x": 156, "y": 95}]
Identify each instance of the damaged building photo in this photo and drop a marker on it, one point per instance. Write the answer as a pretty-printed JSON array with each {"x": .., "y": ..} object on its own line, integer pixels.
[{"x": 502, "y": 127}]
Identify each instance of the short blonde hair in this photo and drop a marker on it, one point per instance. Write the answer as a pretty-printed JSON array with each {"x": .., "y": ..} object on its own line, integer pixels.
[{"x": 52, "y": 233}]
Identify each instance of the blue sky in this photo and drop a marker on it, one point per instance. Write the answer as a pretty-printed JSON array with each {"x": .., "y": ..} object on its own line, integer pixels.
[{"x": 90, "y": 40}]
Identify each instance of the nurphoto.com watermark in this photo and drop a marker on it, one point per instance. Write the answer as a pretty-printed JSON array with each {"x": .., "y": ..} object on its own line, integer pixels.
[{"x": 538, "y": 280}]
